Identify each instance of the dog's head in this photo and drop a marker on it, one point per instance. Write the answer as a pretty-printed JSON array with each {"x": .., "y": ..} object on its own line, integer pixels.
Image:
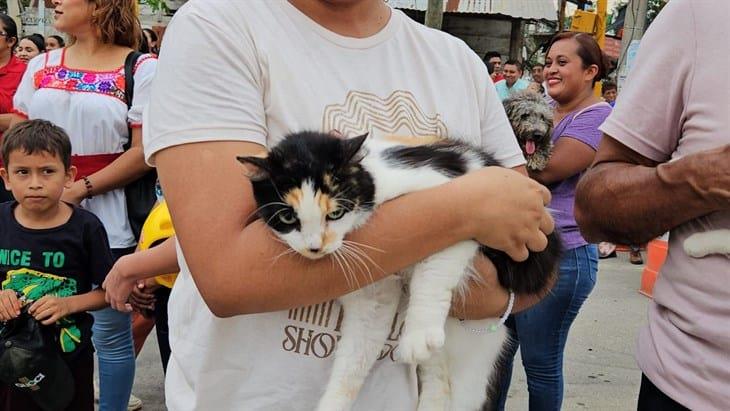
[{"x": 531, "y": 119}]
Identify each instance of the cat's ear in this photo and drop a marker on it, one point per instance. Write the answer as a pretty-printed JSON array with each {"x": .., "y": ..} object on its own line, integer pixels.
[
  {"x": 352, "y": 148},
  {"x": 255, "y": 168}
]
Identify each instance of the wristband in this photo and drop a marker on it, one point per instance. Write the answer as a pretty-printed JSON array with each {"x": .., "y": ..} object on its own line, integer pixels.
[
  {"x": 88, "y": 186},
  {"x": 494, "y": 327}
]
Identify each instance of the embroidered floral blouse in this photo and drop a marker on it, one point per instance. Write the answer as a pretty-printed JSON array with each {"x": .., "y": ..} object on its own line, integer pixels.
[{"x": 91, "y": 107}]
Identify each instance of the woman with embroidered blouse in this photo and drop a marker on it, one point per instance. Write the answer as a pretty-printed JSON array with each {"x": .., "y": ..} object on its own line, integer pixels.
[{"x": 82, "y": 89}]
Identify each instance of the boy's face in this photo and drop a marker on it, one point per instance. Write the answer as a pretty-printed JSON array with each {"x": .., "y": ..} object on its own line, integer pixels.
[
  {"x": 36, "y": 180},
  {"x": 609, "y": 95}
]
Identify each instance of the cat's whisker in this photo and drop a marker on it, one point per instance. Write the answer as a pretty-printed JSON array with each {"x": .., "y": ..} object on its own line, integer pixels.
[
  {"x": 350, "y": 272},
  {"x": 364, "y": 259},
  {"x": 365, "y": 269},
  {"x": 348, "y": 277},
  {"x": 355, "y": 247},
  {"x": 273, "y": 203},
  {"x": 274, "y": 215},
  {"x": 283, "y": 253},
  {"x": 357, "y": 244}
]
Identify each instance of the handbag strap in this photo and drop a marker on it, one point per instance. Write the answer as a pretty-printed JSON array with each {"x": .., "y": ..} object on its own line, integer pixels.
[{"x": 129, "y": 65}]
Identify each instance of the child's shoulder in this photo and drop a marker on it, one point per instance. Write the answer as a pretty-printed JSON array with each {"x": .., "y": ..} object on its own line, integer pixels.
[
  {"x": 6, "y": 210},
  {"x": 85, "y": 217}
]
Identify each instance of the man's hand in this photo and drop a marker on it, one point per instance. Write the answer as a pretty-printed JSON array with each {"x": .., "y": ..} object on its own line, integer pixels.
[
  {"x": 9, "y": 305},
  {"x": 119, "y": 287},
  {"x": 505, "y": 210},
  {"x": 49, "y": 309}
]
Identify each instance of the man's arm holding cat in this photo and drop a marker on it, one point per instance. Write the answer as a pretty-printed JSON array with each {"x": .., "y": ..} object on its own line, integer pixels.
[
  {"x": 627, "y": 198},
  {"x": 241, "y": 269}
]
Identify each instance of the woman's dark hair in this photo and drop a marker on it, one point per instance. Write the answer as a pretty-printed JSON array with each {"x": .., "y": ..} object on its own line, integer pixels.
[
  {"x": 588, "y": 50},
  {"x": 9, "y": 27},
  {"x": 155, "y": 49},
  {"x": 153, "y": 35},
  {"x": 37, "y": 39},
  {"x": 144, "y": 46},
  {"x": 59, "y": 39}
]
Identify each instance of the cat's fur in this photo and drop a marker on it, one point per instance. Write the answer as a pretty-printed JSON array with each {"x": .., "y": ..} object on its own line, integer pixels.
[
  {"x": 531, "y": 119},
  {"x": 702, "y": 244},
  {"x": 313, "y": 189}
]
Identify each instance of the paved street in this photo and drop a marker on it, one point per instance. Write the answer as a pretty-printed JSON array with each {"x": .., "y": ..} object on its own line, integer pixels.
[{"x": 601, "y": 373}]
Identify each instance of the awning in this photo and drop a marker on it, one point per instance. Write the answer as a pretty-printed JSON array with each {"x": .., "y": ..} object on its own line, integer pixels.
[{"x": 521, "y": 9}]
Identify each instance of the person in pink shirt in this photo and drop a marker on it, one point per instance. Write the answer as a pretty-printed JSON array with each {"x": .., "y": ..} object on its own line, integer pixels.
[{"x": 663, "y": 166}]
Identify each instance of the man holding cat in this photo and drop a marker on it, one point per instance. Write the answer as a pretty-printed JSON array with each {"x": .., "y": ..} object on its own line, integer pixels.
[
  {"x": 663, "y": 166},
  {"x": 248, "y": 326}
]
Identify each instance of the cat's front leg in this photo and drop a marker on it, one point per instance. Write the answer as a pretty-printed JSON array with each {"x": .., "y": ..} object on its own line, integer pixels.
[
  {"x": 368, "y": 314},
  {"x": 699, "y": 245},
  {"x": 431, "y": 288}
]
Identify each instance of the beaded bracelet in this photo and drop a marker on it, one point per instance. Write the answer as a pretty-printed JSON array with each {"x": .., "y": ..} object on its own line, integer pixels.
[
  {"x": 494, "y": 327},
  {"x": 88, "y": 185}
]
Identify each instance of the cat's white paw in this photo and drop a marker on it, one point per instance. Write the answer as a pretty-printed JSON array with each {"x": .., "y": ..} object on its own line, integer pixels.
[
  {"x": 696, "y": 246},
  {"x": 418, "y": 345}
]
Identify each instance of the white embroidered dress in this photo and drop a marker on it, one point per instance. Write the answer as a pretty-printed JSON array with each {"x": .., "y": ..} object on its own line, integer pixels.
[{"x": 91, "y": 107}]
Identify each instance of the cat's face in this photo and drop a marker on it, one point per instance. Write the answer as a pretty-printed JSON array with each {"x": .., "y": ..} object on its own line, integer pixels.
[{"x": 312, "y": 191}]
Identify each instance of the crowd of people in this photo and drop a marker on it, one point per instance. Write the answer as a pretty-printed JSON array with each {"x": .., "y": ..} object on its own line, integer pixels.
[{"x": 233, "y": 79}]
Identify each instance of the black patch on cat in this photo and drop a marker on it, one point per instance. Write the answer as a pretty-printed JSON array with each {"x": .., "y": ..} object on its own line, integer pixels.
[
  {"x": 448, "y": 157},
  {"x": 531, "y": 275},
  {"x": 330, "y": 163},
  {"x": 440, "y": 157}
]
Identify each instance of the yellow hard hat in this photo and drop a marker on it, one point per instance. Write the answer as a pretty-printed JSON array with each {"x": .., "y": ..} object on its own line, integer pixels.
[{"x": 156, "y": 229}]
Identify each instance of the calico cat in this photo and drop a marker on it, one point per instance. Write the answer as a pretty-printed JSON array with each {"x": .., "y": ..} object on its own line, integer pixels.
[{"x": 313, "y": 189}]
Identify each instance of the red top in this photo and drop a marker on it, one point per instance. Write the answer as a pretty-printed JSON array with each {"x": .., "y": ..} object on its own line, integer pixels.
[{"x": 10, "y": 76}]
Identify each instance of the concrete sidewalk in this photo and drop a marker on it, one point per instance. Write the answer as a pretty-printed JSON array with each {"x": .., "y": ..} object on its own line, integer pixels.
[{"x": 600, "y": 370}]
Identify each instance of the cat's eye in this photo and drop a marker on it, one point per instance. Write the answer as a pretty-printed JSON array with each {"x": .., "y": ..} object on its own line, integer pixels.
[
  {"x": 287, "y": 217},
  {"x": 336, "y": 215}
]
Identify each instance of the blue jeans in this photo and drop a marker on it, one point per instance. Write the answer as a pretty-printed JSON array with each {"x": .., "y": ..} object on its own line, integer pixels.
[
  {"x": 541, "y": 331},
  {"x": 112, "y": 337}
]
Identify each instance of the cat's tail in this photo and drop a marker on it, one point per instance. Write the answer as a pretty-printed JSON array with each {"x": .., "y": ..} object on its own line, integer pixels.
[{"x": 531, "y": 275}]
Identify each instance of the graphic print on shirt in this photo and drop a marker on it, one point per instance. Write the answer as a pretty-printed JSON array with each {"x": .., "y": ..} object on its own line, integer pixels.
[
  {"x": 313, "y": 331},
  {"x": 396, "y": 114},
  {"x": 31, "y": 285}
]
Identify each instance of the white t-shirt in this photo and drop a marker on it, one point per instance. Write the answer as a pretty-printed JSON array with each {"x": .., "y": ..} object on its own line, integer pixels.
[
  {"x": 91, "y": 107},
  {"x": 253, "y": 71}
]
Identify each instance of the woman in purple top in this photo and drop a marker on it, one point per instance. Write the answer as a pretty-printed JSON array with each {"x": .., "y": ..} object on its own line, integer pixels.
[{"x": 573, "y": 65}]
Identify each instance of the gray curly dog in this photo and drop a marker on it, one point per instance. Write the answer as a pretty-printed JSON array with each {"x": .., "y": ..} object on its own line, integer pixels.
[{"x": 531, "y": 119}]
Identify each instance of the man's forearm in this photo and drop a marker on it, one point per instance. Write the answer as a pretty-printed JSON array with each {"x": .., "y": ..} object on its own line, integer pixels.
[
  {"x": 631, "y": 204},
  {"x": 277, "y": 279}
]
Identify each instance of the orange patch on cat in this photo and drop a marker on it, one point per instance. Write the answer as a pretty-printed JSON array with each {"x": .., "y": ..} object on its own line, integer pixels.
[
  {"x": 413, "y": 140},
  {"x": 294, "y": 198},
  {"x": 327, "y": 238},
  {"x": 325, "y": 203}
]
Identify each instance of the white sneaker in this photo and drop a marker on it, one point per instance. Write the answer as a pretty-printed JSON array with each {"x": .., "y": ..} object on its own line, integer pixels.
[{"x": 134, "y": 403}]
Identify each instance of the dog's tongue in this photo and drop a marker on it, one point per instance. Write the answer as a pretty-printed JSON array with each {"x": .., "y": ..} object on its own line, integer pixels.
[{"x": 530, "y": 147}]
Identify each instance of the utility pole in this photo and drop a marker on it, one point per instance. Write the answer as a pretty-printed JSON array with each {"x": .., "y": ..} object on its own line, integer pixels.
[
  {"x": 435, "y": 14},
  {"x": 634, "y": 26},
  {"x": 561, "y": 14}
]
